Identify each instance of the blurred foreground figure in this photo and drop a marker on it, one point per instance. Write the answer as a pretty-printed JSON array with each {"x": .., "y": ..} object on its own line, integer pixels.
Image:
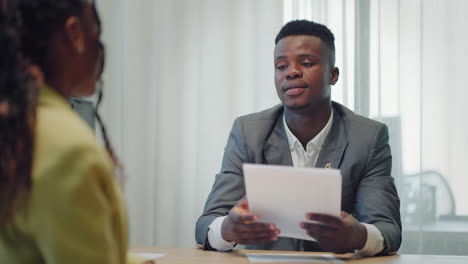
[{"x": 59, "y": 201}]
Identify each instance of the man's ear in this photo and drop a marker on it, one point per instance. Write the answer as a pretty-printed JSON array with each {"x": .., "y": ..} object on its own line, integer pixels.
[
  {"x": 74, "y": 34},
  {"x": 334, "y": 75}
]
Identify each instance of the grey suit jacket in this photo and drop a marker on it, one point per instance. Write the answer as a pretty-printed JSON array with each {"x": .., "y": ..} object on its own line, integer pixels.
[{"x": 356, "y": 145}]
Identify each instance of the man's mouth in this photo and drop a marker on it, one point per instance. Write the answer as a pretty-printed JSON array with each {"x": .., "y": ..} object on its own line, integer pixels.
[{"x": 294, "y": 90}]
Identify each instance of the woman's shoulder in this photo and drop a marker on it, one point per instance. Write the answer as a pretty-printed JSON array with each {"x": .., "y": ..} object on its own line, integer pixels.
[
  {"x": 74, "y": 196},
  {"x": 63, "y": 139}
]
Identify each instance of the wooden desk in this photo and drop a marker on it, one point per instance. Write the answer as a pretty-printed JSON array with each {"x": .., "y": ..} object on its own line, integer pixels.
[{"x": 197, "y": 256}]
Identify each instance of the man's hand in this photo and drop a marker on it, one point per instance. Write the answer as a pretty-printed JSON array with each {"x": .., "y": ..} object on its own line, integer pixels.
[
  {"x": 242, "y": 227},
  {"x": 339, "y": 235}
]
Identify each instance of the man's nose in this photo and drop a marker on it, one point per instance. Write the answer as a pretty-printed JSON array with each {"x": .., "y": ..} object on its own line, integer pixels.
[{"x": 294, "y": 72}]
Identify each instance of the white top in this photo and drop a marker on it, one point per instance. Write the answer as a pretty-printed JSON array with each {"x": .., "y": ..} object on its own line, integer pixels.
[{"x": 301, "y": 158}]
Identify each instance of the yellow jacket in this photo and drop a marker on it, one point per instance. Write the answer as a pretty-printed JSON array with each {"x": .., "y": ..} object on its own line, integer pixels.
[{"x": 75, "y": 211}]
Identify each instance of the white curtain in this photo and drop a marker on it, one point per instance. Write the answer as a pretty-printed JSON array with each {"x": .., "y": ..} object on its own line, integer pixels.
[
  {"x": 403, "y": 62},
  {"x": 177, "y": 74},
  {"x": 179, "y": 71}
]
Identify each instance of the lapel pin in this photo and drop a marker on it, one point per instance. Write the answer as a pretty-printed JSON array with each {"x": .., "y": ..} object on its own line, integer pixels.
[{"x": 328, "y": 166}]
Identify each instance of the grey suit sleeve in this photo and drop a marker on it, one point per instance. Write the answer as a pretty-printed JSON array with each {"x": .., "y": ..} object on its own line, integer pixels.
[
  {"x": 377, "y": 197},
  {"x": 228, "y": 187}
]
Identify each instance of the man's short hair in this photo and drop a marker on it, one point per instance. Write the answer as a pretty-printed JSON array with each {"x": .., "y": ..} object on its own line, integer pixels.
[{"x": 309, "y": 28}]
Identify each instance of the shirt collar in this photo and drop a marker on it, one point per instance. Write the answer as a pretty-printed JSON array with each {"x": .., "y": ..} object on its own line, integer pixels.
[{"x": 316, "y": 142}]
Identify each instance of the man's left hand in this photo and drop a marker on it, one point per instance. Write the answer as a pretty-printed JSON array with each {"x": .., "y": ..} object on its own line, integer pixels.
[{"x": 339, "y": 235}]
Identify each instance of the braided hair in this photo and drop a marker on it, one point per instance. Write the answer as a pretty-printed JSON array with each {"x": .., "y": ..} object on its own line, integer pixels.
[
  {"x": 17, "y": 112},
  {"x": 115, "y": 159},
  {"x": 26, "y": 29}
]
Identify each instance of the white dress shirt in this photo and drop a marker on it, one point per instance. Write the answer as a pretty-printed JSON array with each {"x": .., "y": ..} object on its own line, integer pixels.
[{"x": 301, "y": 158}]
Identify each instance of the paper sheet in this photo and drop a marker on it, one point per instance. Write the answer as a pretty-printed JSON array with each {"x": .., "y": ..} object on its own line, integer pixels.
[
  {"x": 291, "y": 258},
  {"x": 283, "y": 195},
  {"x": 150, "y": 256}
]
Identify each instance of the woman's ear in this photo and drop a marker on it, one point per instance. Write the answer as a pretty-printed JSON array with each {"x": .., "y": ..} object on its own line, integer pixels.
[{"x": 74, "y": 34}]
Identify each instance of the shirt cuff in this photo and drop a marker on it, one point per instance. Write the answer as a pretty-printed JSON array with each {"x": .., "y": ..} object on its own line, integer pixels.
[
  {"x": 375, "y": 241},
  {"x": 214, "y": 236}
]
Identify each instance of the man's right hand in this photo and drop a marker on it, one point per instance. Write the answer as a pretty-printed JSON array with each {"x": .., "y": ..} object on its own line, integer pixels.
[{"x": 242, "y": 227}]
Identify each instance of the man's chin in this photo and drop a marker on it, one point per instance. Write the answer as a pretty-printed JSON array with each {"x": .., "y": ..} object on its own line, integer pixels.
[
  {"x": 297, "y": 107},
  {"x": 307, "y": 106}
]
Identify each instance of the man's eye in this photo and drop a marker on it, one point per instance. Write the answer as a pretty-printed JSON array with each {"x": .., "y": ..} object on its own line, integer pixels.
[
  {"x": 281, "y": 67},
  {"x": 307, "y": 64}
]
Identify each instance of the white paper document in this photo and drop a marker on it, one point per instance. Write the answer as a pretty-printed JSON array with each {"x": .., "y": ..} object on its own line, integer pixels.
[
  {"x": 284, "y": 195},
  {"x": 291, "y": 258}
]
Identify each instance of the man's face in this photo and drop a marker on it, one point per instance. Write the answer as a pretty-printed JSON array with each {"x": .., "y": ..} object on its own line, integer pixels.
[{"x": 303, "y": 73}]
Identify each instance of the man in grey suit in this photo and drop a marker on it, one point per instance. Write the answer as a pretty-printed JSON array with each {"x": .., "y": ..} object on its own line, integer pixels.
[{"x": 307, "y": 130}]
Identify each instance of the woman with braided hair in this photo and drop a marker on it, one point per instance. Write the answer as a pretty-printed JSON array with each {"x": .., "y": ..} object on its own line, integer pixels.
[{"x": 59, "y": 202}]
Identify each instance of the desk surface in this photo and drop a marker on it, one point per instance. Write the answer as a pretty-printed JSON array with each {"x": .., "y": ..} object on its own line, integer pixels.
[{"x": 197, "y": 256}]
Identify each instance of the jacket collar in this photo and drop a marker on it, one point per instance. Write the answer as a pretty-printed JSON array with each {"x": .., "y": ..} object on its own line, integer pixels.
[
  {"x": 277, "y": 152},
  {"x": 49, "y": 97}
]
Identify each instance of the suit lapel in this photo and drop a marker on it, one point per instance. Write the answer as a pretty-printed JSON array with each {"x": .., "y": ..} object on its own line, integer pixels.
[
  {"x": 276, "y": 148},
  {"x": 335, "y": 144}
]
